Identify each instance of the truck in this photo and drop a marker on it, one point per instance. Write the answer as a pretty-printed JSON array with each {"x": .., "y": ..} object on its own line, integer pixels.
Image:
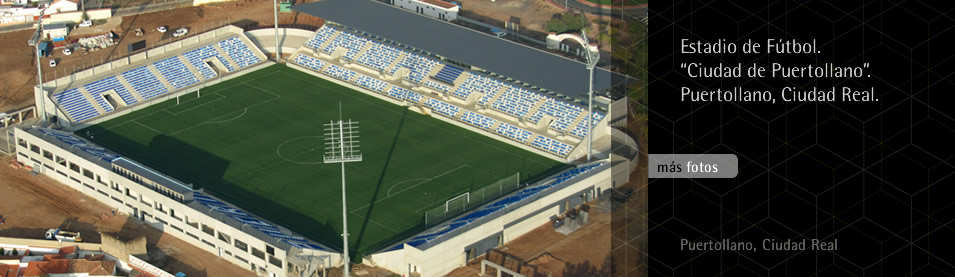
[{"x": 60, "y": 235}]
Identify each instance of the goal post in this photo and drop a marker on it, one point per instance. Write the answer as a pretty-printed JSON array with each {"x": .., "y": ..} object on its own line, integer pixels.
[
  {"x": 459, "y": 202},
  {"x": 462, "y": 202},
  {"x": 198, "y": 95}
]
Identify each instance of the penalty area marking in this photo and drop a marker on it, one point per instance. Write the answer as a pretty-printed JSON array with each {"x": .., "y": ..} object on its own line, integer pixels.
[
  {"x": 245, "y": 110},
  {"x": 423, "y": 180}
]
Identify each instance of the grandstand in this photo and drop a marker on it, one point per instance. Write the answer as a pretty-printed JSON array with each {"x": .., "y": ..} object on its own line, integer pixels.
[
  {"x": 133, "y": 81},
  {"x": 207, "y": 139}
]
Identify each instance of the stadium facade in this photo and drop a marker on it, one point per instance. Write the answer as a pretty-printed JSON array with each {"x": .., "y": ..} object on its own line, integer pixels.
[{"x": 502, "y": 108}]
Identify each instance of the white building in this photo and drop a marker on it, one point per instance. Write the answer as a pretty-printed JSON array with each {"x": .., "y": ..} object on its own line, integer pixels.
[
  {"x": 433, "y": 8},
  {"x": 60, "y": 6},
  {"x": 55, "y": 31}
]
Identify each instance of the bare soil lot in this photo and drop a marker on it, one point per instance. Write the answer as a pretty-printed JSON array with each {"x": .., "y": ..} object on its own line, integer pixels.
[
  {"x": 32, "y": 204},
  {"x": 17, "y": 63}
]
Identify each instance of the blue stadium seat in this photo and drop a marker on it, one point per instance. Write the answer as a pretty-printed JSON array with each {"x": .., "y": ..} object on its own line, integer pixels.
[
  {"x": 309, "y": 62},
  {"x": 175, "y": 72},
  {"x": 239, "y": 52},
  {"x": 339, "y": 72},
  {"x": 74, "y": 104},
  {"x": 144, "y": 83},
  {"x": 478, "y": 120},
  {"x": 196, "y": 56},
  {"x": 448, "y": 74},
  {"x": 371, "y": 83},
  {"x": 245, "y": 218},
  {"x": 550, "y": 145},
  {"x": 443, "y": 108},
  {"x": 96, "y": 88},
  {"x": 513, "y": 132},
  {"x": 80, "y": 144},
  {"x": 320, "y": 37}
]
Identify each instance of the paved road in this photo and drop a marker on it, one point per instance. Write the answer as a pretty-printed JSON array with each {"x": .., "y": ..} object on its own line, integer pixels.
[{"x": 16, "y": 27}]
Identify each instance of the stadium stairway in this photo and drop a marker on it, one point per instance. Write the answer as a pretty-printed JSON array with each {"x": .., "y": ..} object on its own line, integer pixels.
[
  {"x": 228, "y": 58},
  {"x": 193, "y": 69},
  {"x": 580, "y": 118},
  {"x": 329, "y": 40},
  {"x": 162, "y": 80},
  {"x": 533, "y": 110},
  {"x": 92, "y": 101},
  {"x": 364, "y": 49},
  {"x": 498, "y": 95},
  {"x": 133, "y": 92},
  {"x": 395, "y": 62}
]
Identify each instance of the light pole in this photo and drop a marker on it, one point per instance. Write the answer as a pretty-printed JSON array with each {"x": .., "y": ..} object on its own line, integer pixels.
[
  {"x": 35, "y": 41},
  {"x": 592, "y": 58},
  {"x": 275, "y": 12},
  {"x": 341, "y": 146}
]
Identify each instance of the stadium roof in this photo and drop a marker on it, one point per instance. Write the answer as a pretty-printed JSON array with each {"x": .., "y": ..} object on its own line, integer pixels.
[{"x": 530, "y": 65}]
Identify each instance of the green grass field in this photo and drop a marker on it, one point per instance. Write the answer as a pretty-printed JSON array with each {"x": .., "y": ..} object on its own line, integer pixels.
[{"x": 256, "y": 141}]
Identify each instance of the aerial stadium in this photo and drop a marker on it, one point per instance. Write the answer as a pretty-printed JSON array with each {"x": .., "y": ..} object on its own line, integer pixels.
[{"x": 208, "y": 139}]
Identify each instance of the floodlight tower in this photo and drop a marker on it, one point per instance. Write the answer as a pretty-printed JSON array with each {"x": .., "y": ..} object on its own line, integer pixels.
[
  {"x": 275, "y": 14},
  {"x": 341, "y": 146},
  {"x": 35, "y": 41},
  {"x": 592, "y": 58}
]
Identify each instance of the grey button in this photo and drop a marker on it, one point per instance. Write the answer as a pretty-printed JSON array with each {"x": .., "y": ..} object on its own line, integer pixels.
[{"x": 693, "y": 166}]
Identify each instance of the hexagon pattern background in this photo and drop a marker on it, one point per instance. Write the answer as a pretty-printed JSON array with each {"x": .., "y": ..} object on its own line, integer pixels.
[{"x": 875, "y": 176}]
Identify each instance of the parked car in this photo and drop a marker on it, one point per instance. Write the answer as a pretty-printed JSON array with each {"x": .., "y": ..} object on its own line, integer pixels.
[
  {"x": 180, "y": 32},
  {"x": 162, "y": 29},
  {"x": 52, "y": 62},
  {"x": 67, "y": 51},
  {"x": 86, "y": 23}
]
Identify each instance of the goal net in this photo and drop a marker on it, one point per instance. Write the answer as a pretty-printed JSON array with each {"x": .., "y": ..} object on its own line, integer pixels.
[{"x": 460, "y": 203}]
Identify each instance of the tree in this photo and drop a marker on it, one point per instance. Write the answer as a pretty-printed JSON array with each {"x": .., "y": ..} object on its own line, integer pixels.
[
  {"x": 556, "y": 26},
  {"x": 568, "y": 22}
]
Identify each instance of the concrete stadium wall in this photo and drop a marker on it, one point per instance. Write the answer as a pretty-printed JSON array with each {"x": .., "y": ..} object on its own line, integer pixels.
[
  {"x": 450, "y": 254},
  {"x": 290, "y": 39},
  {"x": 161, "y": 212}
]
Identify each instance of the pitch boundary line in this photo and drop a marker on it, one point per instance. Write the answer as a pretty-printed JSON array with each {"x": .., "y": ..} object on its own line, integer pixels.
[
  {"x": 244, "y": 110},
  {"x": 428, "y": 180},
  {"x": 147, "y": 127},
  {"x": 164, "y": 109},
  {"x": 214, "y": 119},
  {"x": 378, "y": 223},
  {"x": 389, "y": 195}
]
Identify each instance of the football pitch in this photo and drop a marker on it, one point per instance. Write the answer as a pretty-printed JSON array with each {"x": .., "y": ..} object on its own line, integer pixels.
[{"x": 257, "y": 142}]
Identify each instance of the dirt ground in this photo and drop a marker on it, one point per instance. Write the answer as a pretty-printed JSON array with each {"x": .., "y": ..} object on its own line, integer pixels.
[
  {"x": 584, "y": 252},
  {"x": 533, "y": 14},
  {"x": 17, "y": 62},
  {"x": 33, "y": 204}
]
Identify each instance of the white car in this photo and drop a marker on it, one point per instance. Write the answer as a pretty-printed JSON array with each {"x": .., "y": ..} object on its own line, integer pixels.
[
  {"x": 86, "y": 23},
  {"x": 67, "y": 51},
  {"x": 52, "y": 62},
  {"x": 162, "y": 29},
  {"x": 180, "y": 32}
]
